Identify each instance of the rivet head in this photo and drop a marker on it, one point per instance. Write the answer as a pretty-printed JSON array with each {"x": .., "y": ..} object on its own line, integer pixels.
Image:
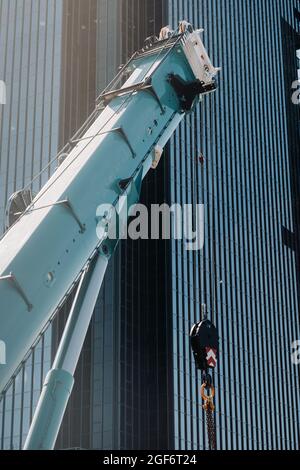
[{"x": 49, "y": 278}]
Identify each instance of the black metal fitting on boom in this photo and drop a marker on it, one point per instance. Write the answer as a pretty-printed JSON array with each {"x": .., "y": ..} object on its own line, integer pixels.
[{"x": 187, "y": 91}]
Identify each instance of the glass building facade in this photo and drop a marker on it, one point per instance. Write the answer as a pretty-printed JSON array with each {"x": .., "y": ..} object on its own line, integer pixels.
[
  {"x": 30, "y": 67},
  {"x": 124, "y": 391},
  {"x": 249, "y": 134},
  {"x": 136, "y": 383}
]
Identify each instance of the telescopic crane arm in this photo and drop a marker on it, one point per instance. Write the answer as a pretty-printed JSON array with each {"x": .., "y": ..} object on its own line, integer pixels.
[{"x": 62, "y": 236}]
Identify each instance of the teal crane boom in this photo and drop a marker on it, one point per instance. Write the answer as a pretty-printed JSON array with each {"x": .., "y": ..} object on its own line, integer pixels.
[{"x": 62, "y": 237}]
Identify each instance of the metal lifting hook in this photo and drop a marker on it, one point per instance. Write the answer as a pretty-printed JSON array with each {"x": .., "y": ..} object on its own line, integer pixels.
[
  {"x": 208, "y": 399},
  {"x": 205, "y": 344}
]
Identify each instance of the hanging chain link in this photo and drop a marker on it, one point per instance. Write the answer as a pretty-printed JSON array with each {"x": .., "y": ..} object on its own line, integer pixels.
[
  {"x": 209, "y": 408},
  {"x": 211, "y": 429}
]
